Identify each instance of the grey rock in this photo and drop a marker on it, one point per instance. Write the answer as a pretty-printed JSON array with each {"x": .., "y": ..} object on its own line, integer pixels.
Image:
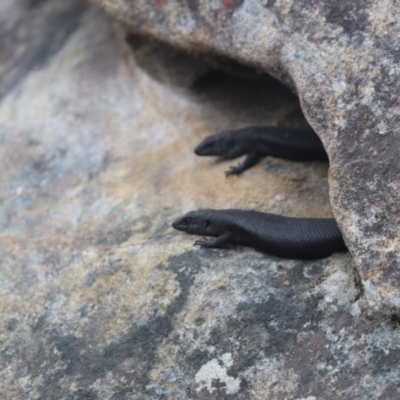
[
  {"x": 341, "y": 58},
  {"x": 99, "y": 297},
  {"x": 167, "y": 64}
]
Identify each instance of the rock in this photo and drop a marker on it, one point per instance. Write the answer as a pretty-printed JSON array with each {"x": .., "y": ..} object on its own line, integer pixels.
[
  {"x": 99, "y": 297},
  {"x": 341, "y": 58},
  {"x": 167, "y": 64}
]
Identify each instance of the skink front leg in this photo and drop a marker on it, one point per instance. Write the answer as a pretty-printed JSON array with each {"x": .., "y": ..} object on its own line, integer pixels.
[
  {"x": 252, "y": 159},
  {"x": 220, "y": 241}
]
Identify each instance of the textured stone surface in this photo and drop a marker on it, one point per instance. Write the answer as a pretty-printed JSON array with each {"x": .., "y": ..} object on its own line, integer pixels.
[
  {"x": 99, "y": 297},
  {"x": 342, "y": 58}
]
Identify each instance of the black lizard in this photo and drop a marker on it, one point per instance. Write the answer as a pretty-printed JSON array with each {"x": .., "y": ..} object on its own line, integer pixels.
[
  {"x": 297, "y": 144},
  {"x": 304, "y": 238}
]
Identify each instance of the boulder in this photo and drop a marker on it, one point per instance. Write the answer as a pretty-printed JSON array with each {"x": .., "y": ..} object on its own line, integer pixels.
[
  {"x": 342, "y": 60},
  {"x": 99, "y": 297}
]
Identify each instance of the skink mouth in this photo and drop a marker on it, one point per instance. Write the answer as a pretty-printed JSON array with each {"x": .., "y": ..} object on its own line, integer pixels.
[
  {"x": 209, "y": 148},
  {"x": 216, "y": 151},
  {"x": 179, "y": 225},
  {"x": 200, "y": 150}
]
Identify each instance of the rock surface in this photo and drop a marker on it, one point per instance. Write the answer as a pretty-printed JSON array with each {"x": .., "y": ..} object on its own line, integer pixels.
[
  {"x": 99, "y": 297},
  {"x": 342, "y": 59}
]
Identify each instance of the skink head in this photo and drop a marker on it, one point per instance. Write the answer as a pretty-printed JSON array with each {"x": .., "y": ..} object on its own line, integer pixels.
[
  {"x": 200, "y": 222},
  {"x": 224, "y": 144},
  {"x": 195, "y": 222}
]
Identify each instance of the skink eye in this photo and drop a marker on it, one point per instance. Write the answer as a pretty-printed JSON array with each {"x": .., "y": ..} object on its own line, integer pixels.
[{"x": 186, "y": 221}]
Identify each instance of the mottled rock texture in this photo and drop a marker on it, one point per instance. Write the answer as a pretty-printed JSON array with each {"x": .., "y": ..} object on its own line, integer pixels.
[
  {"x": 342, "y": 59},
  {"x": 99, "y": 297}
]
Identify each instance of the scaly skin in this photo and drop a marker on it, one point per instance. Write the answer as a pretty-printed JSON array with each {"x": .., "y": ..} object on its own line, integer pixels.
[
  {"x": 296, "y": 144},
  {"x": 300, "y": 238}
]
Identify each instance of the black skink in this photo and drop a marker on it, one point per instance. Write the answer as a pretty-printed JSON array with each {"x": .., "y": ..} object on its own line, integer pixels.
[
  {"x": 295, "y": 144},
  {"x": 300, "y": 238}
]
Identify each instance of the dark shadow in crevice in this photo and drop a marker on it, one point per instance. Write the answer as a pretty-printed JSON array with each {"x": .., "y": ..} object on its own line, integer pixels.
[{"x": 254, "y": 98}]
